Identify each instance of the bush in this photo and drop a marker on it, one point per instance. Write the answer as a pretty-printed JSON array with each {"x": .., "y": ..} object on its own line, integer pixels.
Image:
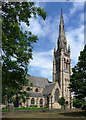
[
  {"x": 77, "y": 103},
  {"x": 33, "y": 106},
  {"x": 61, "y": 101}
]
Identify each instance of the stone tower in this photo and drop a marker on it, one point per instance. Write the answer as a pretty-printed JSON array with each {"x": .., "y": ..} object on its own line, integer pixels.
[{"x": 62, "y": 63}]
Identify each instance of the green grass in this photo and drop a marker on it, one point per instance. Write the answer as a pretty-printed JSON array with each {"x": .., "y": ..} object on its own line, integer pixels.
[
  {"x": 5, "y": 110},
  {"x": 23, "y": 108},
  {"x": 57, "y": 114}
]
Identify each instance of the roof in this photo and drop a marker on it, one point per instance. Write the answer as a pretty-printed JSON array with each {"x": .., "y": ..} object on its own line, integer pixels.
[
  {"x": 35, "y": 94},
  {"x": 37, "y": 81},
  {"x": 48, "y": 88}
]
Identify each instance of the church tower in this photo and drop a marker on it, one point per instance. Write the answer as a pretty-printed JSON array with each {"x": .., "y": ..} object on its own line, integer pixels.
[{"x": 62, "y": 63}]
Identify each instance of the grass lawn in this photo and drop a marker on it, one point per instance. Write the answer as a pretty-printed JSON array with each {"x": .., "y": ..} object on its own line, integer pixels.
[
  {"x": 56, "y": 114},
  {"x": 23, "y": 108},
  {"x": 5, "y": 110},
  {"x": 30, "y": 108}
]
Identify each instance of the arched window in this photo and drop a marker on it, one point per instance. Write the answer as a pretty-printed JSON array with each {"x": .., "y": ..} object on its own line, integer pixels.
[
  {"x": 64, "y": 59},
  {"x": 56, "y": 95},
  {"x": 32, "y": 101},
  {"x": 36, "y": 90},
  {"x": 41, "y": 101}
]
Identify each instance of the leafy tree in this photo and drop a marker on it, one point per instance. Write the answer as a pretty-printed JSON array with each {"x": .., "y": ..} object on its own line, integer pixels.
[
  {"x": 61, "y": 101},
  {"x": 78, "y": 103},
  {"x": 78, "y": 78},
  {"x": 17, "y": 46}
]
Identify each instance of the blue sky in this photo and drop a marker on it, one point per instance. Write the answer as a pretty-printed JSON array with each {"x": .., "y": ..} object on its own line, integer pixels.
[{"x": 47, "y": 32}]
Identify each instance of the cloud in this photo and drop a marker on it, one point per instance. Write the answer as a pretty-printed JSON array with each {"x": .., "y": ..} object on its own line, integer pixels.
[
  {"x": 43, "y": 62},
  {"x": 76, "y": 7},
  {"x": 81, "y": 18},
  {"x": 42, "y": 28},
  {"x": 76, "y": 39},
  {"x": 45, "y": 29}
]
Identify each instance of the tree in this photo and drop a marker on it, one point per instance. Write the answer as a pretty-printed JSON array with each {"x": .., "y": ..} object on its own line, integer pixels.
[
  {"x": 78, "y": 78},
  {"x": 61, "y": 101},
  {"x": 17, "y": 46},
  {"x": 78, "y": 103}
]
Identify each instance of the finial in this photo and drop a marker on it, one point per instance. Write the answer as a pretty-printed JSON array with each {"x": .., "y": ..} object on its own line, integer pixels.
[{"x": 61, "y": 14}]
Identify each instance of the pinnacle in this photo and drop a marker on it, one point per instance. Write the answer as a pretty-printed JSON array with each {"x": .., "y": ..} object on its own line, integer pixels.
[
  {"x": 61, "y": 20},
  {"x": 61, "y": 14}
]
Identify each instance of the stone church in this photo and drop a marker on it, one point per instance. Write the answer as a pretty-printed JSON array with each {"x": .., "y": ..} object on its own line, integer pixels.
[{"x": 44, "y": 93}]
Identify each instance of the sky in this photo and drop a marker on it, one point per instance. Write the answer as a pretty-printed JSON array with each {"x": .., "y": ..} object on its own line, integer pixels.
[{"x": 47, "y": 32}]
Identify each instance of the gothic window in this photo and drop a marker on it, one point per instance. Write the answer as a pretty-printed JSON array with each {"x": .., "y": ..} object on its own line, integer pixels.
[
  {"x": 56, "y": 95},
  {"x": 32, "y": 101},
  {"x": 36, "y": 90},
  {"x": 41, "y": 101},
  {"x": 64, "y": 59}
]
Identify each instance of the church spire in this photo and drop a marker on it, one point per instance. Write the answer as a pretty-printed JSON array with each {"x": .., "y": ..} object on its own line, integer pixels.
[
  {"x": 61, "y": 20},
  {"x": 61, "y": 39},
  {"x": 61, "y": 26}
]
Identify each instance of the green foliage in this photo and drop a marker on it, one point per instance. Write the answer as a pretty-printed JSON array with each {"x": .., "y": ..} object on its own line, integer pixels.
[
  {"x": 32, "y": 108},
  {"x": 61, "y": 101},
  {"x": 78, "y": 78},
  {"x": 17, "y": 46},
  {"x": 28, "y": 88},
  {"x": 31, "y": 84},
  {"x": 78, "y": 103},
  {"x": 5, "y": 110},
  {"x": 33, "y": 105}
]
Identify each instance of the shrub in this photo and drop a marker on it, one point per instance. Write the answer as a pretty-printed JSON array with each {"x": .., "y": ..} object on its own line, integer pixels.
[{"x": 33, "y": 105}]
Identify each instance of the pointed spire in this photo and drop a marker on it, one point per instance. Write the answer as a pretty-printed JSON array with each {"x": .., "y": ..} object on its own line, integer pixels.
[
  {"x": 61, "y": 39},
  {"x": 61, "y": 26},
  {"x": 61, "y": 20},
  {"x": 61, "y": 14}
]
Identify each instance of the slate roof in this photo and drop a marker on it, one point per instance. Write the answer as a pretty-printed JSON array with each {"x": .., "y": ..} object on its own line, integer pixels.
[
  {"x": 35, "y": 94},
  {"x": 48, "y": 88},
  {"x": 37, "y": 81}
]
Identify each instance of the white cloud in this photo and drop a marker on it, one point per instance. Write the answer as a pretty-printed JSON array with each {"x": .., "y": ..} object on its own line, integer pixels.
[
  {"x": 43, "y": 62},
  {"x": 81, "y": 18},
  {"x": 76, "y": 39},
  {"x": 76, "y": 6},
  {"x": 43, "y": 28}
]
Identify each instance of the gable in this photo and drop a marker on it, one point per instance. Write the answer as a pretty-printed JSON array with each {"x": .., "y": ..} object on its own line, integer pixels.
[{"x": 48, "y": 89}]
